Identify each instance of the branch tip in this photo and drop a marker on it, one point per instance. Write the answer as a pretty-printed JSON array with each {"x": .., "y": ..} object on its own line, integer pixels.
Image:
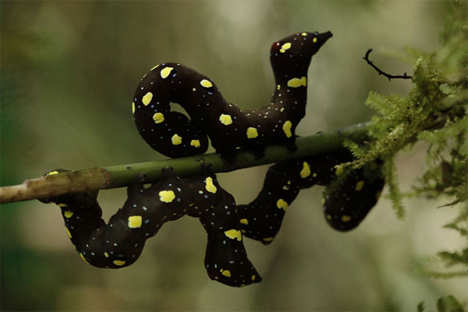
[{"x": 381, "y": 72}]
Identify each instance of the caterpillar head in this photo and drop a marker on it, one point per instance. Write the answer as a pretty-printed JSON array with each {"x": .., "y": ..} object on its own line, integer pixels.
[{"x": 291, "y": 56}]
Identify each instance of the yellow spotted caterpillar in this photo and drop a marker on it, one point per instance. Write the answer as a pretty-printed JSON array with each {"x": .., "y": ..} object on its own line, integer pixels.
[
  {"x": 345, "y": 204},
  {"x": 119, "y": 243},
  {"x": 229, "y": 127}
]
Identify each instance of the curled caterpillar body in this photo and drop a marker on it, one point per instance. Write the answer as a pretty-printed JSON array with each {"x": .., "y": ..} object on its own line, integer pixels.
[
  {"x": 345, "y": 206},
  {"x": 119, "y": 243},
  {"x": 175, "y": 135}
]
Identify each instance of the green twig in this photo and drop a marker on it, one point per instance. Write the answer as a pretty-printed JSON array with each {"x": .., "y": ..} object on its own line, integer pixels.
[{"x": 120, "y": 176}]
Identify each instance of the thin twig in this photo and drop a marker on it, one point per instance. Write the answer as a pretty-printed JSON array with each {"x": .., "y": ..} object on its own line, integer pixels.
[
  {"x": 381, "y": 72},
  {"x": 120, "y": 176}
]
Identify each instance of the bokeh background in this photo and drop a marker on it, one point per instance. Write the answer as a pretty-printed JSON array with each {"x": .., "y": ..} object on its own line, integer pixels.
[{"x": 68, "y": 73}]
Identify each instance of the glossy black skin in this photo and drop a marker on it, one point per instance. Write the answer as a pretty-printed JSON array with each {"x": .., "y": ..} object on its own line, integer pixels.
[
  {"x": 120, "y": 242},
  {"x": 173, "y": 82},
  {"x": 284, "y": 181},
  {"x": 117, "y": 244}
]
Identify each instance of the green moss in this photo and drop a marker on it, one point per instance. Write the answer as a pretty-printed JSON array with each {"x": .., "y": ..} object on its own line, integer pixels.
[
  {"x": 434, "y": 112},
  {"x": 445, "y": 304}
]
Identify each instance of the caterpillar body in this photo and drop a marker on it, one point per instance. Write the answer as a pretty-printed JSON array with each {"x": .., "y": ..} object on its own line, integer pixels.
[
  {"x": 229, "y": 127},
  {"x": 345, "y": 205},
  {"x": 119, "y": 242}
]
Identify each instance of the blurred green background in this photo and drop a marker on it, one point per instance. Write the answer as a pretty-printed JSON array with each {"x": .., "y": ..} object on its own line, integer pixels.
[{"x": 68, "y": 73}]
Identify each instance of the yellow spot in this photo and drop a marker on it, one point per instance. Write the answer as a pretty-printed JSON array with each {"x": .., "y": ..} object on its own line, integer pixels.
[
  {"x": 195, "y": 143},
  {"x": 252, "y": 133},
  {"x": 314, "y": 174},
  {"x": 281, "y": 204},
  {"x": 297, "y": 82},
  {"x": 154, "y": 67},
  {"x": 133, "y": 107},
  {"x": 278, "y": 87},
  {"x": 359, "y": 186},
  {"x": 285, "y": 47},
  {"x": 206, "y": 83},
  {"x": 68, "y": 232},
  {"x": 244, "y": 221},
  {"x": 329, "y": 217},
  {"x": 147, "y": 98},
  {"x": 287, "y": 128},
  {"x": 268, "y": 239},
  {"x": 82, "y": 257},
  {"x": 253, "y": 278},
  {"x": 225, "y": 119},
  {"x": 165, "y": 72},
  {"x": 106, "y": 255},
  {"x": 226, "y": 273},
  {"x": 314, "y": 40},
  {"x": 119, "y": 262},
  {"x": 158, "y": 118},
  {"x": 339, "y": 170},
  {"x": 345, "y": 218},
  {"x": 233, "y": 234},
  {"x": 52, "y": 173},
  {"x": 305, "y": 172},
  {"x": 209, "y": 186},
  {"x": 134, "y": 222},
  {"x": 62, "y": 205},
  {"x": 304, "y": 34},
  {"x": 68, "y": 214},
  {"x": 176, "y": 139},
  {"x": 166, "y": 196}
]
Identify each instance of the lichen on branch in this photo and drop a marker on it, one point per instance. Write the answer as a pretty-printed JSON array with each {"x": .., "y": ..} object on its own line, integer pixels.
[{"x": 433, "y": 112}]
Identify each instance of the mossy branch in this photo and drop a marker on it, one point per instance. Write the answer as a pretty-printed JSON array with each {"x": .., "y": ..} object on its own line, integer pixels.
[{"x": 120, "y": 176}]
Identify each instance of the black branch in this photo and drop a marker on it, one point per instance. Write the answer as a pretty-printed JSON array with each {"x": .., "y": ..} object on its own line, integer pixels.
[{"x": 381, "y": 72}]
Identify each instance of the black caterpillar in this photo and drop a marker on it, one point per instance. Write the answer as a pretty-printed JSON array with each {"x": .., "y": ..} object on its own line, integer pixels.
[
  {"x": 344, "y": 206},
  {"x": 119, "y": 243},
  {"x": 229, "y": 128}
]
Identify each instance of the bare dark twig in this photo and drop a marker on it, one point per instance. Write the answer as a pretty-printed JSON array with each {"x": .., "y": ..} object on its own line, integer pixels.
[{"x": 381, "y": 72}]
